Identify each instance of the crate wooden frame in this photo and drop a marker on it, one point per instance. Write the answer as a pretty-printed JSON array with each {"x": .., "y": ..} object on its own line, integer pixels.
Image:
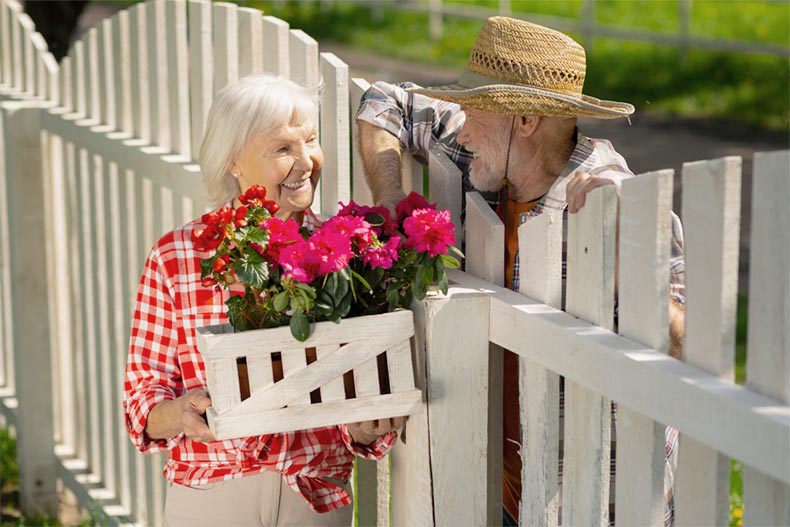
[{"x": 285, "y": 405}]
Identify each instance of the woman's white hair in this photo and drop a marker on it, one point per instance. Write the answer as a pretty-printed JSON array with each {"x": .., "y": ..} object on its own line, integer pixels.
[{"x": 242, "y": 110}]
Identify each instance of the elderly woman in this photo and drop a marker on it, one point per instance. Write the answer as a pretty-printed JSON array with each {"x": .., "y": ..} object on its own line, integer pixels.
[{"x": 261, "y": 131}]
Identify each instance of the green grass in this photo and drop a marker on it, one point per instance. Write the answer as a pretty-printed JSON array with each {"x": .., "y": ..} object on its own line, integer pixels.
[{"x": 747, "y": 88}]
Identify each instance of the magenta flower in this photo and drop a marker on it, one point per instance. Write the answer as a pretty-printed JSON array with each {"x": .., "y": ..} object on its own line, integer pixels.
[
  {"x": 300, "y": 262},
  {"x": 429, "y": 230},
  {"x": 410, "y": 203},
  {"x": 281, "y": 234},
  {"x": 390, "y": 227},
  {"x": 353, "y": 228},
  {"x": 382, "y": 255}
]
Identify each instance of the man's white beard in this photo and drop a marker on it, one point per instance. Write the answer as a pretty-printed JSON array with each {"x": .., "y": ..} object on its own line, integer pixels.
[{"x": 484, "y": 180}]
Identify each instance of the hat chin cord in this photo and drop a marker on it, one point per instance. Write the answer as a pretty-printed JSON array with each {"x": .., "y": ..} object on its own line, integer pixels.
[{"x": 504, "y": 192}]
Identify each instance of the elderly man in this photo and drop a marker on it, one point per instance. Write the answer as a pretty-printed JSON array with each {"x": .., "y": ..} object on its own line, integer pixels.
[{"x": 510, "y": 126}]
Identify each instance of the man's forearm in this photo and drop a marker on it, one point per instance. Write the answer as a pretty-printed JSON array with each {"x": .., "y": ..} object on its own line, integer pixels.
[
  {"x": 164, "y": 420},
  {"x": 381, "y": 157}
]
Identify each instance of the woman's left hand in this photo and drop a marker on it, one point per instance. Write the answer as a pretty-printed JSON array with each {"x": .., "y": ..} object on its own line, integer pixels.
[{"x": 365, "y": 432}]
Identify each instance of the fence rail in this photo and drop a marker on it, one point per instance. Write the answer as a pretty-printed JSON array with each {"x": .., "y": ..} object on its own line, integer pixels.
[{"x": 97, "y": 161}]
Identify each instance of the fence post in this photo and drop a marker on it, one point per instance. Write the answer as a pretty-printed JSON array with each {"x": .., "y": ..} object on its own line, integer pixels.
[
  {"x": 767, "y": 500},
  {"x": 711, "y": 213},
  {"x": 29, "y": 293},
  {"x": 435, "y": 19}
]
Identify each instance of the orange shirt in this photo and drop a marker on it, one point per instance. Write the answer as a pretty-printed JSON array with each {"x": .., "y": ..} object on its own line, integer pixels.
[{"x": 511, "y": 473}]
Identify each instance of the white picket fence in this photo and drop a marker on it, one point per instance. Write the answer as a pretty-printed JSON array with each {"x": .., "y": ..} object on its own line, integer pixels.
[{"x": 97, "y": 162}]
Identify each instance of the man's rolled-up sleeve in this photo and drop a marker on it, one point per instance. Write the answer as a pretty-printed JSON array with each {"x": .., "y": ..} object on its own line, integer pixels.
[{"x": 374, "y": 451}]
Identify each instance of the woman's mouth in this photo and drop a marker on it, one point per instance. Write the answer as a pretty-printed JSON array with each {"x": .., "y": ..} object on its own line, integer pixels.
[{"x": 296, "y": 185}]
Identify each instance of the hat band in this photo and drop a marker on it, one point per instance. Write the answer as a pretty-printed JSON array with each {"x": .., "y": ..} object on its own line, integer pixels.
[{"x": 475, "y": 80}]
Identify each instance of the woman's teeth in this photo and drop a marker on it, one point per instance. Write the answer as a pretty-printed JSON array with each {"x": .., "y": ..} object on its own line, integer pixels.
[{"x": 298, "y": 184}]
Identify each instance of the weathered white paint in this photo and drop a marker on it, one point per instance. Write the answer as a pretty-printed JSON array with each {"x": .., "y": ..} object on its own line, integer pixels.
[
  {"x": 250, "y": 41},
  {"x": 225, "y": 44},
  {"x": 178, "y": 77},
  {"x": 31, "y": 322},
  {"x": 590, "y": 296},
  {"x": 767, "y": 501},
  {"x": 6, "y": 75},
  {"x": 445, "y": 189},
  {"x": 360, "y": 190},
  {"x": 275, "y": 46},
  {"x": 410, "y": 474},
  {"x": 711, "y": 213},
  {"x": 201, "y": 70},
  {"x": 285, "y": 404},
  {"x": 457, "y": 393},
  {"x": 540, "y": 262},
  {"x": 645, "y": 234},
  {"x": 335, "y": 185},
  {"x": 485, "y": 236}
]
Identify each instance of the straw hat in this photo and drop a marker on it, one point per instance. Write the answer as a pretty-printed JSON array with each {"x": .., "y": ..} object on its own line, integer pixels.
[{"x": 520, "y": 68}]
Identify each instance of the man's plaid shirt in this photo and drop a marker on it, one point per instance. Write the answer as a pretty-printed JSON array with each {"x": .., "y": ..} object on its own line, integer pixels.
[
  {"x": 164, "y": 362},
  {"x": 423, "y": 124}
]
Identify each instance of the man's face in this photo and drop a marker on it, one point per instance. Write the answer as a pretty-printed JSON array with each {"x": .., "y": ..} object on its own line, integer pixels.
[{"x": 486, "y": 135}]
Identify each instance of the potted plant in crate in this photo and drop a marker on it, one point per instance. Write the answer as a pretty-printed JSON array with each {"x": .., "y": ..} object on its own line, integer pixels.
[{"x": 316, "y": 336}]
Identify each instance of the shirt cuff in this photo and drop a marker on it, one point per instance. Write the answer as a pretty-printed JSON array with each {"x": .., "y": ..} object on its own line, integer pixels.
[
  {"x": 137, "y": 412},
  {"x": 374, "y": 451}
]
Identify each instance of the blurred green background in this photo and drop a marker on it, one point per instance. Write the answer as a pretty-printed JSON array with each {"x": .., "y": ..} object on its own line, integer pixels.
[{"x": 744, "y": 87}]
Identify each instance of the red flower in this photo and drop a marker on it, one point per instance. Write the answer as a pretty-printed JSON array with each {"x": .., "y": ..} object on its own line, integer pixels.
[
  {"x": 430, "y": 231},
  {"x": 207, "y": 239},
  {"x": 411, "y": 203},
  {"x": 256, "y": 197},
  {"x": 239, "y": 218},
  {"x": 221, "y": 263}
]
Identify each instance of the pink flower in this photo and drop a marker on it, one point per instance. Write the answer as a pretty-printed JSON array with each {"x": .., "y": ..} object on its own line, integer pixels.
[
  {"x": 281, "y": 234},
  {"x": 353, "y": 228},
  {"x": 390, "y": 228},
  {"x": 411, "y": 203},
  {"x": 299, "y": 262},
  {"x": 382, "y": 255},
  {"x": 429, "y": 230}
]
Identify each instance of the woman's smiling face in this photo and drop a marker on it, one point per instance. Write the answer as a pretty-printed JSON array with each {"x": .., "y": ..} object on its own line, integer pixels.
[{"x": 287, "y": 162}]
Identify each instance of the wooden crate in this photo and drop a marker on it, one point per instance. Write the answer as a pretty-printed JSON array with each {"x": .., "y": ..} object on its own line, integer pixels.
[{"x": 265, "y": 381}]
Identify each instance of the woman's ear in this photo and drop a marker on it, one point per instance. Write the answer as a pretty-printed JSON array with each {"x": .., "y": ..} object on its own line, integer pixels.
[{"x": 527, "y": 124}]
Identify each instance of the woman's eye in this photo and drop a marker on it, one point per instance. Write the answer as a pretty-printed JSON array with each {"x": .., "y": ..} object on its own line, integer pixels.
[
  {"x": 282, "y": 150},
  {"x": 312, "y": 140}
]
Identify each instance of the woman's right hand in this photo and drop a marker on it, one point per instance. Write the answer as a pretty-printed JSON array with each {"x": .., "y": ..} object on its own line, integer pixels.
[
  {"x": 181, "y": 415},
  {"x": 193, "y": 407}
]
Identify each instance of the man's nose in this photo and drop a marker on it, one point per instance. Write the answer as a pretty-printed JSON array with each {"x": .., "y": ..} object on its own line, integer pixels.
[{"x": 463, "y": 136}]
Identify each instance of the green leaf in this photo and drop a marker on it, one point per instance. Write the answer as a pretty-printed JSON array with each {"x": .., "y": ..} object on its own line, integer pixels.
[
  {"x": 257, "y": 235},
  {"x": 361, "y": 280},
  {"x": 344, "y": 306},
  {"x": 330, "y": 284},
  {"x": 375, "y": 276},
  {"x": 450, "y": 262},
  {"x": 308, "y": 290},
  {"x": 236, "y": 306},
  {"x": 438, "y": 268},
  {"x": 420, "y": 283},
  {"x": 456, "y": 252},
  {"x": 443, "y": 285},
  {"x": 281, "y": 301},
  {"x": 342, "y": 285},
  {"x": 300, "y": 326},
  {"x": 251, "y": 268},
  {"x": 374, "y": 219},
  {"x": 393, "y": 295},
  {"x": 207, "y": 267}
]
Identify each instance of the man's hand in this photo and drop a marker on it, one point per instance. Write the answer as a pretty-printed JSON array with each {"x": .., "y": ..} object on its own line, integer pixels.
[
  {"x": 581, "y": 183},
  {"x": 365, "y": 432}
]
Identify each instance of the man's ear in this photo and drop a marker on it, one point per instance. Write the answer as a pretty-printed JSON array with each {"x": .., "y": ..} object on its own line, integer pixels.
[{"x": 527, "y": 124}]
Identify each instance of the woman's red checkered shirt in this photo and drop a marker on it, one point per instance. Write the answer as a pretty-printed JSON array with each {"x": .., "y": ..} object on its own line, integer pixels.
[{"x": 164, "y": 362}]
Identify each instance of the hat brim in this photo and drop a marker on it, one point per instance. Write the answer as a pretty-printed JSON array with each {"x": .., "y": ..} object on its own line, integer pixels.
[{"x": 512, "y": 99}]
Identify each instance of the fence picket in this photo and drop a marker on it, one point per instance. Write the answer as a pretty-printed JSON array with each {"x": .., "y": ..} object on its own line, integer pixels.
[
  {"x": 6, "y": 76},
  {"x": 334, "y": 133},
  {"x": 178, "y": 77},
  {"x": 121, "y": 64},
  {"x": 17, "y": 50},
  {"x": 42, "y": 74},
  {"x": 645, "y": 233},
  {"x": 226, "y": 44},
  {"x": 91, "y": 72},
  {"x": 486, "y": 233},
  {"x": 201, "y": 70},
  {"x": 65, "y": 100},
  {"x": 141, "y": 123},
  {"x": 157, "y": 73},
  {"x": 539, "y": 389},
  {"x": 28, "y": 66},
  {"x": 590, "y": 296},
  {"x": 107, "y": 81},
  {"x": 78, "y": 86},
  {"x": 360, "y": 190},
  {"x": 445, "y": 189},
  {"x": 711, "y": 213},
  {"x": 766, "y": 500},
  {"x": 250, "y": 41},
  {"x": 276, "y": 55}
]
